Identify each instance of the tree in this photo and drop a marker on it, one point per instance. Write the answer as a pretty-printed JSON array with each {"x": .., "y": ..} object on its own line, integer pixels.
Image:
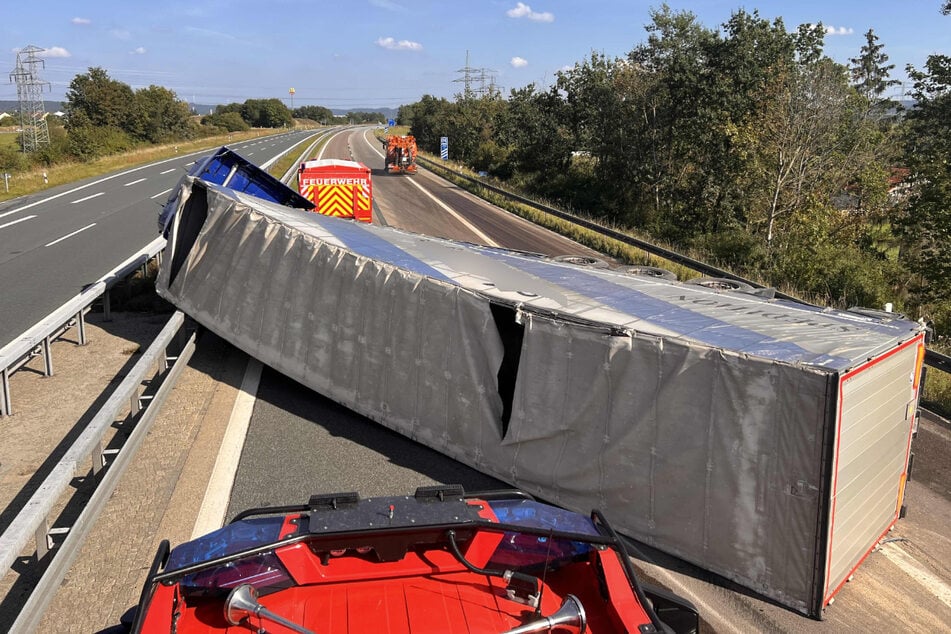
[
  {"x": 159, "y": 115},
  {"x": 95, "y": 99},
  {"x": 266, "y": 113},
  {"x": 314, "y": 113},
  {"x": 360, "y": 116},
  {"x": 230, "y": 121},
  {"x": 870, "y": 71},
  {"x": 928, "y": 146}
]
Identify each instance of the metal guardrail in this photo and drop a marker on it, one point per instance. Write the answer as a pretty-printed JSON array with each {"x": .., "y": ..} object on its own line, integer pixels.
[
  {"x": 932, "y": 359},
  {"x": 37, "y": 339},
  {"x": 33, "y": 521},
  {"x": 937, "y": 360}
]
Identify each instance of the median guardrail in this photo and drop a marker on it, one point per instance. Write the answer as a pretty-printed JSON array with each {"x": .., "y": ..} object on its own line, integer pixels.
[{"x": 38, "y": 339}]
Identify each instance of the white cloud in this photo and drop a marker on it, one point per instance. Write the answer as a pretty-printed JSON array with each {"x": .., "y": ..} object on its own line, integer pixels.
[
  {"x": 78, "y": 20},
  {"x": 518, "y": 62},
  {"x": 522, "y": 10},
  {"x": 391, "y": 44},
  {"x": 55, "y": 51},
  {"x": 138, "y": 51},
  {"x": 842, "y": 30}
]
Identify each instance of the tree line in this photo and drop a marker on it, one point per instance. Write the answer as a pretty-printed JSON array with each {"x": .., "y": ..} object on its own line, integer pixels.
[
  {"x": 105, "y": 116},
  {"x": 745, "y": 144}
]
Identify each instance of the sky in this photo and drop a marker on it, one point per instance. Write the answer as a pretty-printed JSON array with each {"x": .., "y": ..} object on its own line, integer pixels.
[{"x": 360, "y": 54}]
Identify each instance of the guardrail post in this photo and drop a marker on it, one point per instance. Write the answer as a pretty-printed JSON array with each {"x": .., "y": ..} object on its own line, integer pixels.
[
  {"x": 107, "y": 305},
  {"x": 81, "y": 324},
  {"x": 134, "y": 403},
  {"x": 47, "y": 357},
  {"x": 43, "y": 540},
  {"x": 5, "y": 407},
  {"x": 98, "y": 459}
]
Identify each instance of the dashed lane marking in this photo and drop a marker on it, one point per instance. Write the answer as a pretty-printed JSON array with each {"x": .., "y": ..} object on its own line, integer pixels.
[
  {"x": 13, "y": 222},
  {"x": 70, "y": 235},
  {"x": 167, "y": 171},
  {"x": 134, "y": 182},
  {"x": 160, "y": 193},
  {"x": 79, "y": 200}
]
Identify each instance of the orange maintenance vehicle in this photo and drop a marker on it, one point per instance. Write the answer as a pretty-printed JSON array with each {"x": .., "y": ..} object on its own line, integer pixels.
[
  {"x": 337, "y": 188},
  {"x": 400, "y": 155}
]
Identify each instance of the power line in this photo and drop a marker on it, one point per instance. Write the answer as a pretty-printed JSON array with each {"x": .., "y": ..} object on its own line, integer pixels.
[{"x": 477, "y": 82}]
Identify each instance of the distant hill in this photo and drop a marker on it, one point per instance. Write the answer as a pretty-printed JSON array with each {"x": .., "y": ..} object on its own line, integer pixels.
[
  {"x": 14, "y": 106},
  {"x": 389, "y": 113}
]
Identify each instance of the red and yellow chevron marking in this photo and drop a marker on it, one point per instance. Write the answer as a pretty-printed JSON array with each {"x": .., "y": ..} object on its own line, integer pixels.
[
  {"x": 335, "y": 200},
  {"x": 361, "y": 198},
  {"x": 307, "y": 191}
]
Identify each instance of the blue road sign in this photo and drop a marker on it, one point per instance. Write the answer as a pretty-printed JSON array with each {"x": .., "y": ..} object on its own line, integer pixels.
[
  {"x": 444, "y": 148},
  {"x": 391, "y": 123}
]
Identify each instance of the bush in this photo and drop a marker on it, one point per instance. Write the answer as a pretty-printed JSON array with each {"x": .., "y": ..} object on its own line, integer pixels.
[
  {"x": 86, "y": 143},
  {"x": 228, "y": 121},
  {"x": 12, "y": 159}
]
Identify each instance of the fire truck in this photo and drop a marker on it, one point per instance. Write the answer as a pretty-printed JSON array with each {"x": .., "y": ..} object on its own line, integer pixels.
[{"x": 337, "y": 188}]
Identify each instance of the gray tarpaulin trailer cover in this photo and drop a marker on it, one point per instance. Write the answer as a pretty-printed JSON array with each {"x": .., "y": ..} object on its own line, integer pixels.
[{"x": 762, "y": 440}]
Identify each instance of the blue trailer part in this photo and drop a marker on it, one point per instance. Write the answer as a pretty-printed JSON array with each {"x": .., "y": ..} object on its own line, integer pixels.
[{"x": 229, "y": 169}]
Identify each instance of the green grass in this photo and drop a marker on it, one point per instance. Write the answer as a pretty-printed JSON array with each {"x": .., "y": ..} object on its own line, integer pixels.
[
  {"x": 8, "y": 139},
  {"x": 277, "y": 170}
]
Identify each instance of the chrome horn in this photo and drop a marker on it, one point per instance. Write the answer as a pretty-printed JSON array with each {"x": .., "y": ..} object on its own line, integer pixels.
[
  {"x": 570, "y": 614},
  {"x": 242, "y": 603}
]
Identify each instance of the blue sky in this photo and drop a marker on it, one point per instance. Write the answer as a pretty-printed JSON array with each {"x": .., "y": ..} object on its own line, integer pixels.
[{"x": 375, "y": 53}]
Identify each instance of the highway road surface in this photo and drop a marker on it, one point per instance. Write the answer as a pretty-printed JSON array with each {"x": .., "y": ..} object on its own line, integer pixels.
[{"x": 56, "y": 242}]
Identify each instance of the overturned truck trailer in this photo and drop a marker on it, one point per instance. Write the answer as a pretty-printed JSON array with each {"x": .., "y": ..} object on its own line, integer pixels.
[{"x": 762, "y": 440}]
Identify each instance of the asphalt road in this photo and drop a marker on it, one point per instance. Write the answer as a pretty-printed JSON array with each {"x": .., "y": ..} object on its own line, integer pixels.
[
  {"x": 56, "y": 242},
  {"x": 300, "y": 443}
]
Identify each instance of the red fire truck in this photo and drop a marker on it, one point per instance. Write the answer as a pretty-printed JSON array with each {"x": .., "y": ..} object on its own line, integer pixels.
[{"x": 337, "y": 188}]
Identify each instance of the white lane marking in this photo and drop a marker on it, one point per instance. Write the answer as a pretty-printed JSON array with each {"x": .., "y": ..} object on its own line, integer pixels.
[
  {"x": 160, "y": 193},
  {"x": 13, "y": 222},
  {"x": 167, "y": 171},
  {"x": 189, "y": 164},
  {"x": 372, "y": 147},
  {"x": 489, "y": 241},
  {"x": 79, "y": 200},
  {"x": 250, "y": 153},
  {"x": 96, "y": 182},
  {"x": 214, "y": 506},
  {"x": 134, "y": 182},
  {"x": 70, "y": 235},
  {"x": 910, "y": 566},
  {"x": 320, "y": 154}
]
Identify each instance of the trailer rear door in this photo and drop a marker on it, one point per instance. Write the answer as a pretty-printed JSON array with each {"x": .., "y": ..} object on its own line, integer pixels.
[{"x": 877, "y": 404}]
